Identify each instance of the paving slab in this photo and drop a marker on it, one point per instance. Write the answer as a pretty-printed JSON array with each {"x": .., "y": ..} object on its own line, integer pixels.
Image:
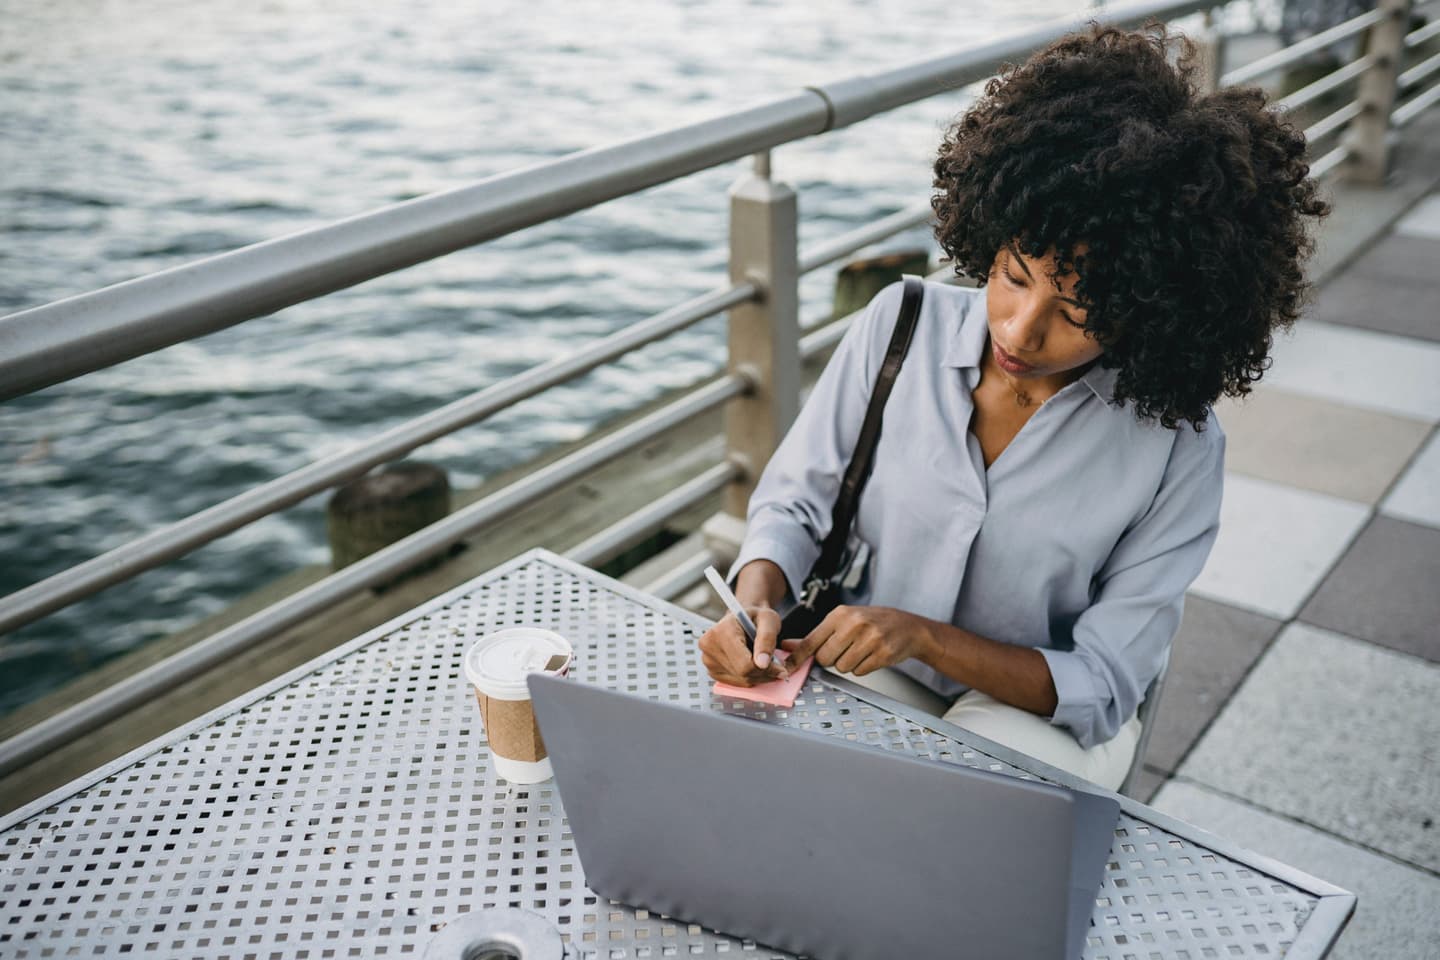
[
  {"x": 1423, "y": 221},
  {"x": 1390, "y": 287},
  {"x": 1213, "y": 650},
  {"x": 1395, "y": 917},
  {"x": 1317, "y": 444},
  {"x": 1385, "y": 589},
  {"x": 1377, "y": 371},
  {"x": 1417, "y": 496},
  {"x": 1336, "y": 733},
  {"x": 1366, "y": 211},
  {"x": 1396, "y": 256},
  {"x": 1275, "y": 545},
  {"x": 1404, "y": 305}
]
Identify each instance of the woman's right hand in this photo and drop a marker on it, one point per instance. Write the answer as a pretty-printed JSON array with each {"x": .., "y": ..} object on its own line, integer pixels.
[{"x": 722, "y": 649}]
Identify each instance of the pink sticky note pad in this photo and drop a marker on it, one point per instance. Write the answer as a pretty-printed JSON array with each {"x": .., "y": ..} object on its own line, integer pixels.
[{"x": 777, "y": 693}]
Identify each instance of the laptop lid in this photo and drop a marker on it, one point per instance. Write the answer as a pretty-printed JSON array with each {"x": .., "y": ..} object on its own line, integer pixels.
[{"x": 813, "y": 844}]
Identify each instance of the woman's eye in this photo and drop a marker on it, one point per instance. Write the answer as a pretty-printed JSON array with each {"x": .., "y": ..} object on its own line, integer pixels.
[{"x": 1014, "y": 280}]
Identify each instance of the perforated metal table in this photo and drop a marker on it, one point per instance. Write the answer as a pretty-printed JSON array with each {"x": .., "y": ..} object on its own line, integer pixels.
[{"x": 349, "y": 810}]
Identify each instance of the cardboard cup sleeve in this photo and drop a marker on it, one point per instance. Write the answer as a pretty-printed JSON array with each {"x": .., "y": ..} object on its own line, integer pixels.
[{"x": 511, "y": 728}]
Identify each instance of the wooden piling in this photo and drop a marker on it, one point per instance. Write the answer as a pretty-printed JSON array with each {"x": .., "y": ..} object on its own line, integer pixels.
[
  {"x": 384, "y": 506},
  {"x": 858, "y": 281}
]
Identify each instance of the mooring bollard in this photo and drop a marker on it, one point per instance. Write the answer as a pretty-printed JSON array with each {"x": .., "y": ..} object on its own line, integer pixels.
[
  {"x": 384, "y": 506},
  {"x": 858, "y": 281}
]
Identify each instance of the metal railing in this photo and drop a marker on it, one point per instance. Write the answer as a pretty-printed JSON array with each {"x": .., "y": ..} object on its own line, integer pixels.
[
  {"x": 1409, "y": 82},
  {"x": 59, "y": 341},
  {"x": 377, "y": 568},
  {"x": 63, "y": 340},
  {"x": 1296, "y": 52},
  {"x": 183, "y": 536},
  {"x": 1331, "y": 81}
]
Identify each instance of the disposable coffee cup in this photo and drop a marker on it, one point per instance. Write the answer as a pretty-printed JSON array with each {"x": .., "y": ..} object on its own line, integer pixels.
[{"x": 496, "y": 667}]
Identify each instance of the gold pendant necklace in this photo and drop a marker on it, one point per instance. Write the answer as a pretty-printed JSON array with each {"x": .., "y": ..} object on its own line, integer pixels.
[{"x": 1022, "y": 397}]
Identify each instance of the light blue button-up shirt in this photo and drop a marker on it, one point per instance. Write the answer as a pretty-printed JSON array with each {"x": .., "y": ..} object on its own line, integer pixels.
[{"x": 1079, "y": 540}]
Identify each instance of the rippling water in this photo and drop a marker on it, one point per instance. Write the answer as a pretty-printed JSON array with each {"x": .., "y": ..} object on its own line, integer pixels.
[{"x": 150, "y": 133}]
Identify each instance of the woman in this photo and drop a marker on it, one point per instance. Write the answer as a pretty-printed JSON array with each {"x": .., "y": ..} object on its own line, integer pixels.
[{"x": 1047, "y": 482}]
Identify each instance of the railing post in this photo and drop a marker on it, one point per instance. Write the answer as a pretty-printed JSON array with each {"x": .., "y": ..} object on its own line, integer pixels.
[
  {"x": 1210, "y": 48},
  {"x": 1369, "y": 136},
  {"x": 765, "y": 333}
]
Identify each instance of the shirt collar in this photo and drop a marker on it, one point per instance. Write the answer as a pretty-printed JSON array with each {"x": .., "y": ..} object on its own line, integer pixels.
[
  {"x": 966, "y": 345},
  {"x": 1101, "y": 380}
]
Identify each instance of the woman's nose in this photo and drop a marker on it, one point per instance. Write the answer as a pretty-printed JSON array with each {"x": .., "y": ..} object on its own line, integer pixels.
[{"x": 1027, "y": 327}]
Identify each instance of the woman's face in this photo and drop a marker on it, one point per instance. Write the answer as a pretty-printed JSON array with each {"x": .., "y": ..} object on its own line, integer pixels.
[{"x": 1036, "y": 327}]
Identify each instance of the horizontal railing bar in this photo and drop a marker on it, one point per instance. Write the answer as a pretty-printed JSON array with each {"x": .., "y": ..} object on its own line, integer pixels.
[
  {"x": 1329, "y": 161},
  {"x": 847, "y": 243},
  {"x": 1418, "y": 72},
  {"x": 674, "y": 582},
  {"x": 1416, "y": 106},
  {"x": 59, "y": 341},
  {"x": 49, "y": 344},
  {"x": 1296, "y": 51},
  {"x": 80, "y": 581},
  {"x": 1427, "y": 32},
  {"x": 1325, "y": 84},
  {"x": 824, "y": 337},
  {"x": 858, "y": 98},
  {"x": 1332, "y": 122},
  {"x": 378, "y": 568},
  {"x": 653, "y": 517},
  {"x": 817, "y": 323}
]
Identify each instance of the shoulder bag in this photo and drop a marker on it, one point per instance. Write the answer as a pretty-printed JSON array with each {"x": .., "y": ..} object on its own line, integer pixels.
[{"x": 821, "y": 592}]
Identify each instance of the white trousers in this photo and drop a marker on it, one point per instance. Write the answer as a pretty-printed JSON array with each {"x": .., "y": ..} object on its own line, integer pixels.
[{"x": 1104, "y": 764}]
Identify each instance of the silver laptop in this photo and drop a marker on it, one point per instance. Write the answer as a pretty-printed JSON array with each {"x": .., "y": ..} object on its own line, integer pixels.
[{"x": 815, "y": 845}]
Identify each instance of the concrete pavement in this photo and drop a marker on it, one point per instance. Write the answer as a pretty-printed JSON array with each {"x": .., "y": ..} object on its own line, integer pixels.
[{"x": 1302, "y": 716}]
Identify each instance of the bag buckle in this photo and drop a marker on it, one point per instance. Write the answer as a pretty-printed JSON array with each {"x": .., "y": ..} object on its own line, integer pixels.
[{"x": 813, "y": 588}]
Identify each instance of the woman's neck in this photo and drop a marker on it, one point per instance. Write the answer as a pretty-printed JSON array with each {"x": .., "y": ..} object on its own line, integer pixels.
[{"x": 1030, "y": 391}]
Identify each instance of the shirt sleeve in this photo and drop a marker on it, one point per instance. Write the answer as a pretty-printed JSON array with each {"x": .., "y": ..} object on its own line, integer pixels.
[
  {"x": 1122, "y": 640},
  {"x": 789, "y": 512}
]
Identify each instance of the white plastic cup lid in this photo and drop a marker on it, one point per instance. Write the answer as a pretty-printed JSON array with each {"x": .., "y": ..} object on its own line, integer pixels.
[{"x": 498, "y": 662}]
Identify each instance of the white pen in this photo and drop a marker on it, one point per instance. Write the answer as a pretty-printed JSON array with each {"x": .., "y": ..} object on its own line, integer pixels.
[{"x": 733, "y": 604}]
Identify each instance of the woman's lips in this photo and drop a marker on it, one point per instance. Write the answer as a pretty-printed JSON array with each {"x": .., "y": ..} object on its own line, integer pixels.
[{"x": 1007, "y": 362}]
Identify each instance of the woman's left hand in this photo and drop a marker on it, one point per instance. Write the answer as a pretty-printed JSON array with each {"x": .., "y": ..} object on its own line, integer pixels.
[{"x": 861, "y": 640}]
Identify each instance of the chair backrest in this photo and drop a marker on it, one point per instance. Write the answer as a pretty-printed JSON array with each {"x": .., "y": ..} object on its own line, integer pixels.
[{"x": 1147, "y": 714}]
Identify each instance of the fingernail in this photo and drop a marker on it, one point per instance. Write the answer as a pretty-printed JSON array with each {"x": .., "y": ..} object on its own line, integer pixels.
[{"x": 762, "y": 660}]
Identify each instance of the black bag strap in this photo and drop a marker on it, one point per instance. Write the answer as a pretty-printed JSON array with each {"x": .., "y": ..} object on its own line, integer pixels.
[{"x": 832, "y": 552}]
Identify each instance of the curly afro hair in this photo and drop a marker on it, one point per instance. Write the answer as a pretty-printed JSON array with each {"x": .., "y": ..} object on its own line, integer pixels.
[{"x": 1182, "y": 213}]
